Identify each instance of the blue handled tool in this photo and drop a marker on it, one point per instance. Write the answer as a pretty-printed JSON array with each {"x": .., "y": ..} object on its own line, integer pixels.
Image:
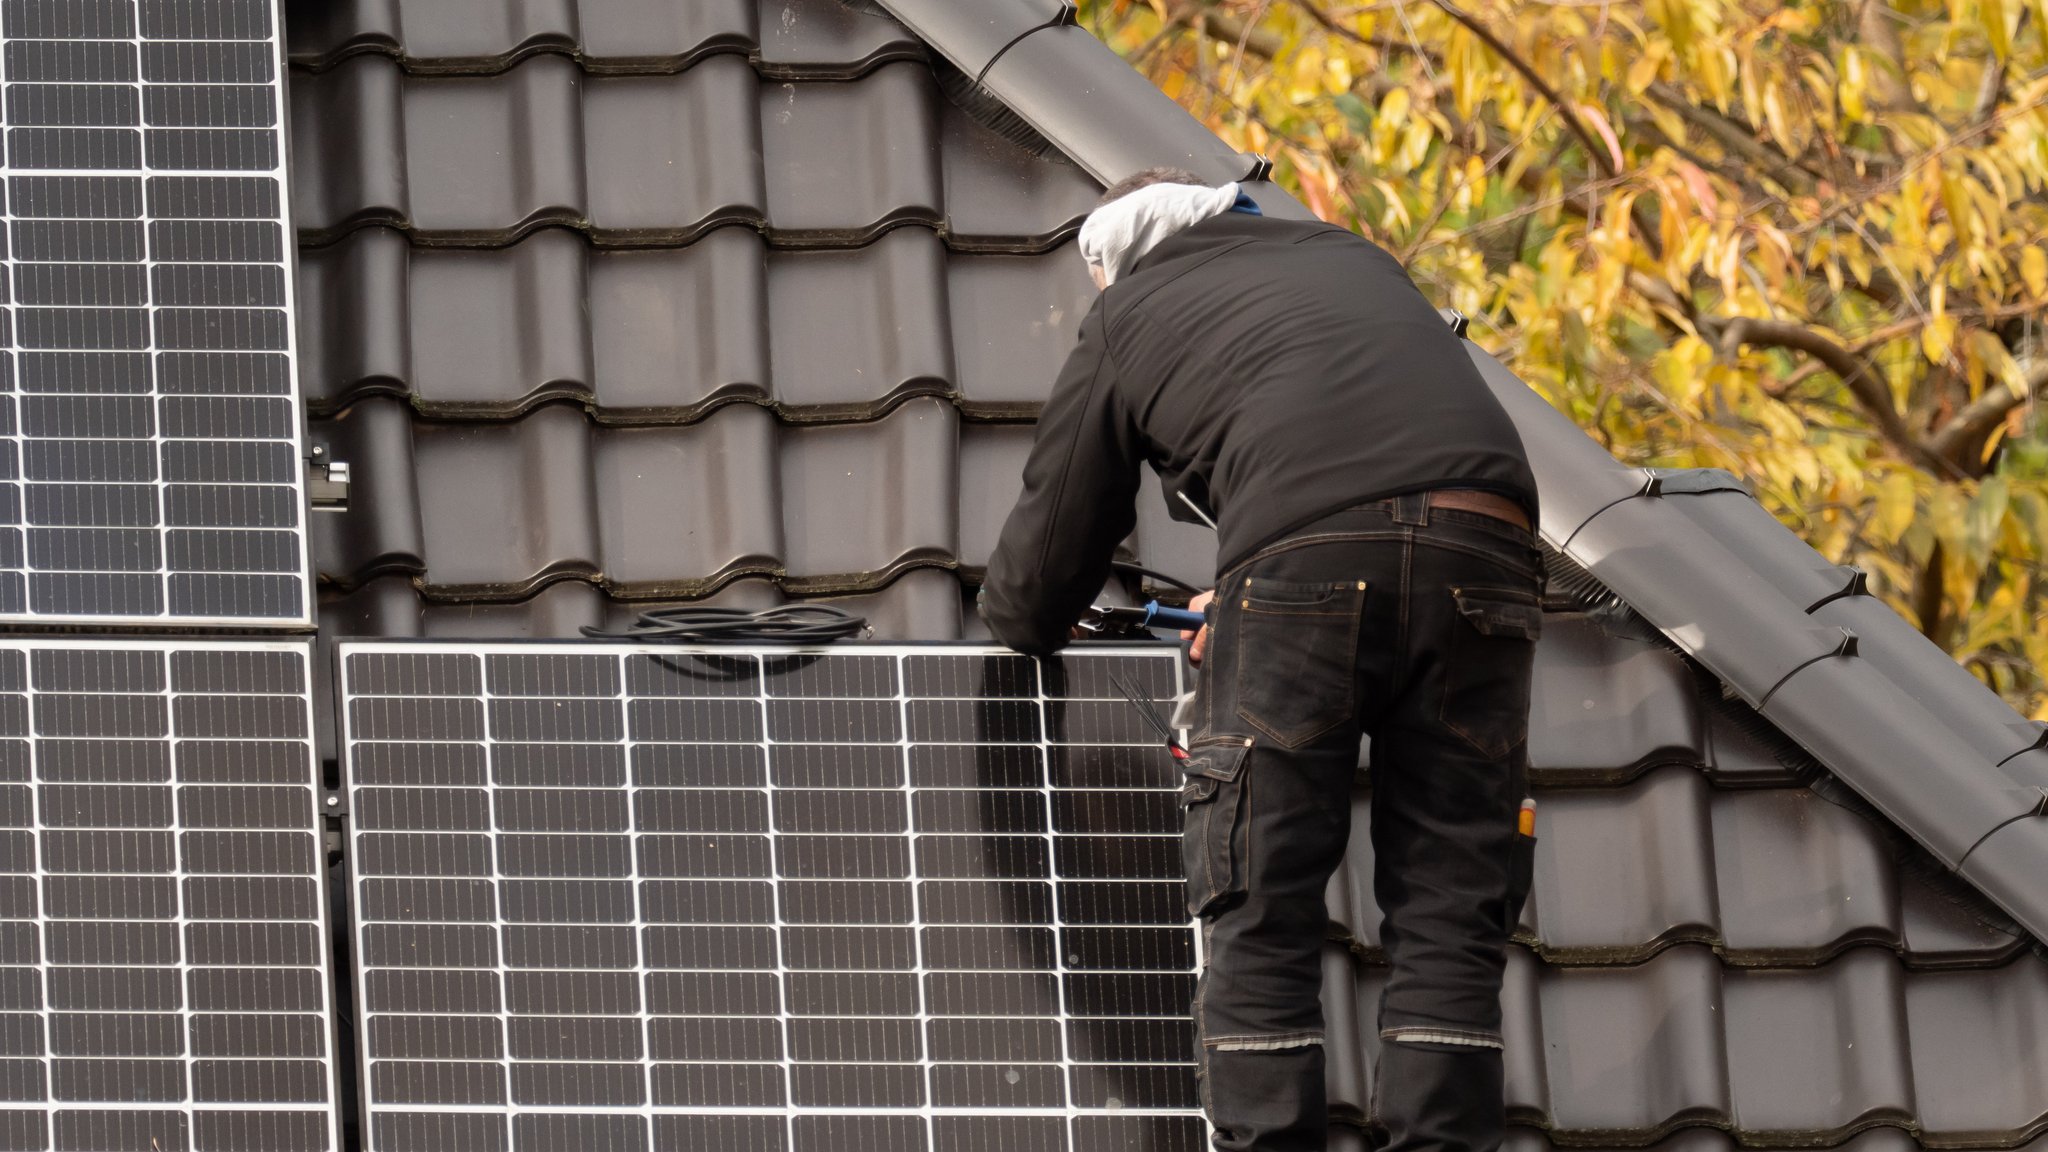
[{"x": 1153, "y": 615}]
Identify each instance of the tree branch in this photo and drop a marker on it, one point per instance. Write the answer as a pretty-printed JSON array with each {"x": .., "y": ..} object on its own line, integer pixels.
[
  {"x": 1223, "y": 26},
  {"x": 1877, "y": 29},
  {"x": 1733, "y": 137},
  {"x": 1962, "y": 438},
  {"x": 1596, "y": 152},
  {"x": 1991, "y": 89},
  {"x": 1856, "y": 374}
]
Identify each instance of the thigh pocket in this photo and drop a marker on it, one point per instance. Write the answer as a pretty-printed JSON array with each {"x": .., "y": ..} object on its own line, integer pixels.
[
  {"x": 1216, "y": 815},
  {"x": 1297, "y": 655},
  {"x": 1486, "y": 681}
]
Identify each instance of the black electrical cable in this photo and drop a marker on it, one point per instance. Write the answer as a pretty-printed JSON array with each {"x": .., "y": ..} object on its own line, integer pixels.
[
  {"x": 790, "y": 624},
  {"x": 1149, "y": 574}
]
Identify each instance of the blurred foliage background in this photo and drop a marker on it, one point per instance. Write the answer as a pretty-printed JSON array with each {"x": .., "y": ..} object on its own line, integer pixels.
[{"x": 1807, "y": 242}]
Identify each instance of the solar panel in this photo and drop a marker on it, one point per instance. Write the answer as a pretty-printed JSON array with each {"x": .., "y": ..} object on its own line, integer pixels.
[
  {"x": 150, "y": 464},
  {"x": 163, "y": 960},
  {"x": 623, "y": 898}
]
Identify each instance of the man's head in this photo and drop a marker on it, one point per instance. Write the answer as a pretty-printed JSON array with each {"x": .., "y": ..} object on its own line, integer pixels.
[
  {"x": 1147, "y": 177},
  {"x": 1100, "y": 251}
]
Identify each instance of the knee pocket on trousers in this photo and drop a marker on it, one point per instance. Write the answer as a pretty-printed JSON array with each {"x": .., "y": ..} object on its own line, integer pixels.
[{"x": 1215, "y": 805}]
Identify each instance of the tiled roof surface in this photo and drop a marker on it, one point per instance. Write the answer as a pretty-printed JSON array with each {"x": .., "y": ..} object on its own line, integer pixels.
[{"x": 618, "y": 302}]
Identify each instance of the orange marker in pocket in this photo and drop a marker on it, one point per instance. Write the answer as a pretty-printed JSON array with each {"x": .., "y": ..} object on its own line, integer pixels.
[{"x": 1525, "y": 820}]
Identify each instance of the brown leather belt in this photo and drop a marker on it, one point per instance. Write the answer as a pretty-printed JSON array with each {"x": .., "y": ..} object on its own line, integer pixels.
[{"x": 1484, "y": 503}]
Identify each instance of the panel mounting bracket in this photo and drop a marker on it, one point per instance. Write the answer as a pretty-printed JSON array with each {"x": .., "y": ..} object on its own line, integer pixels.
[{"x": 326, "y": 482}]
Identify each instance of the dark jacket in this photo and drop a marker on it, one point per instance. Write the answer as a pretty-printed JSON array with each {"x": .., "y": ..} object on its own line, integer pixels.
[{"x": 1273, "y": 371}]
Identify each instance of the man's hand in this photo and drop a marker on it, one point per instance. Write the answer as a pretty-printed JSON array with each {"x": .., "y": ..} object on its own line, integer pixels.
[{"x": 1201, "y": 638}]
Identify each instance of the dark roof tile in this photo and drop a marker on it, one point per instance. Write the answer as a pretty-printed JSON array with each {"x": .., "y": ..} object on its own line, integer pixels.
[
  {"x": 1948, "y": 923},
  {"x": 675, "y": 329},
  {"x": 682, "y": 507},
  {"x": 811, "y": 38},
  {"x": 921, "y": 605},
  {"x": 1013, "y": 321},
  {"x": 1798, "y": 877},
  {"x": 1821, "y": 1049},
  {"x": 991, "y": 477},
  {"x": 497, "y": 320},
  {"x": 1712, "y": 599},
  {"x": 1608, "y": 706},
  {"x": 1524, "y": 1059},
  {"x": 1979, "y": 1064},
  {"x": 494, "y": 156},
  {"x": 1634, "y": 1052},
  {"x": 1771, "y": 877},
  {"x": 1000, "y": 196},
  {"x": 1747, "y": 752},
  {"x": 872, "y": 323},
  {"x": 1178, "y": 548},
  {"x": 1622, "y": 872},
  {"x": 666, "y": 154},
  {"x": 348, "y": 147},
  {"x": 843, "y": 496},
  {"x": 852, "y": 158},
  {"x": 476, "y": 479}
]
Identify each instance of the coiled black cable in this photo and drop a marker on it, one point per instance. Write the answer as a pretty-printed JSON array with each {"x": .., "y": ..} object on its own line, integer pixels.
[
  {"x": 789, "y": 624},
  {"x": 1129, "y": 568}
]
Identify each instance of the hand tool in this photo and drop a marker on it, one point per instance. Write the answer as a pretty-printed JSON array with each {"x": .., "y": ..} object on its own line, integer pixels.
[{"x": 1106, "y": 620}]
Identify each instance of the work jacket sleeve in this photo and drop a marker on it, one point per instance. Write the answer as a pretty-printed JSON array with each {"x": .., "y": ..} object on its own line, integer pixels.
[{"x": 1080, "y": 491}]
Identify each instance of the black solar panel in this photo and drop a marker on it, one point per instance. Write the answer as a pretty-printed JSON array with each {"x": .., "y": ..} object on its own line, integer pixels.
[
  {"x": 149, "y": 428},
  {"x": 163, "y": 961},
  {"x": 622, "y": 899}
]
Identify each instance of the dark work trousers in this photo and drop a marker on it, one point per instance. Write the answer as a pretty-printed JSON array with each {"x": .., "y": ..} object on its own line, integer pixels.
[{"x": 1416, "y": 626}]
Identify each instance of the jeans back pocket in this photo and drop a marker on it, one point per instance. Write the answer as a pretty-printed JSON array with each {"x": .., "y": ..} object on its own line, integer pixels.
[
  {"x": 1297, "y": 656},
  {"x": 1216, "y": 814},
  {"x": 1486, "y": 680}
]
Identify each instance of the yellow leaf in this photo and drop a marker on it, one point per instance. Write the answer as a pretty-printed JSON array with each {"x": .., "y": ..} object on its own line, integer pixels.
[
  {"x": 1850, "y": 90},
  {"x": 1991, "y": 14},
  {"x": 1937, "y": 338},
  {"x": 1774, "y": 115},
  {"x": 1646, "y": 67},
  {"x": 2034, "y": 269}
]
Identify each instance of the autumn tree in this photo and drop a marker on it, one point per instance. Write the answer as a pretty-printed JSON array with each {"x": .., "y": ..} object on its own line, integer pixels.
[{"x": 1804, "y": 242}]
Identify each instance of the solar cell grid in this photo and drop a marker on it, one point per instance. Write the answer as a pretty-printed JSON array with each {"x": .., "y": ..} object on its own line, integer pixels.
[
  {"x": 163, "y": 958},
  {"x": 649, "y": 899},
  {"x": 150, "y": 461}
]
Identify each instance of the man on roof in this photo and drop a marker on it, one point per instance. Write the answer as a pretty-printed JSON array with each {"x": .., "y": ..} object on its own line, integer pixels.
[{"x": 1378, "y": 576}]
